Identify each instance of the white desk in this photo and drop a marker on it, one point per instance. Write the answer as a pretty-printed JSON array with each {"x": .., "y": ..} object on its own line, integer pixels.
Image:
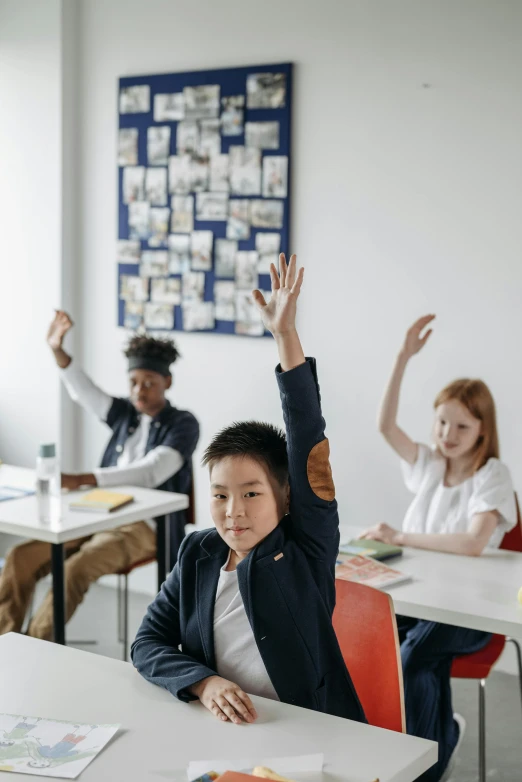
[
  {"x": 19, "y": 517},
  {"x": 160, "y": 735},
  {"x": 479, "y": 593}
]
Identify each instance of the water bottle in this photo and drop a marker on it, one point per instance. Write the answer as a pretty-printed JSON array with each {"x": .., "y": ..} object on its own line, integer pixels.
[{"x": 48, "y": 485}]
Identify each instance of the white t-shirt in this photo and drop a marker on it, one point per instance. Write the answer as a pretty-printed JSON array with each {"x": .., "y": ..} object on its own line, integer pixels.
[
  {"x": 237, "y": 655},
  {"x": 445, "y": 509}
]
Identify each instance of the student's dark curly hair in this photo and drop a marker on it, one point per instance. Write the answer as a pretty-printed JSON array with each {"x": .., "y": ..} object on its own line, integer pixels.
[
  {"x": 141, "y": 346},
  {"x": 263, "y": 442}
]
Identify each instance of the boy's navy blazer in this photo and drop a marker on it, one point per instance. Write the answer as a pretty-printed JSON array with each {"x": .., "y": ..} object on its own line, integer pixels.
[{"x": 287, "y": 583}]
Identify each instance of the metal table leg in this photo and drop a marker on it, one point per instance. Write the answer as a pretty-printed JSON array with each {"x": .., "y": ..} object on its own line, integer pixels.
[
  {"x": 58, "y": 592},
  {"x": 162, "y": 548}
]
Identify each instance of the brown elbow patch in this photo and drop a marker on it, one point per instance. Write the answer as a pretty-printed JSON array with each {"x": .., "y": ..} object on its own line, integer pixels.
[{"x": 319, "y": 471}]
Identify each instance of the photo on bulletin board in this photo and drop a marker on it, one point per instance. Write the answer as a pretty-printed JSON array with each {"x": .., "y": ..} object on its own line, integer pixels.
[{"x": 204, "y": 161}]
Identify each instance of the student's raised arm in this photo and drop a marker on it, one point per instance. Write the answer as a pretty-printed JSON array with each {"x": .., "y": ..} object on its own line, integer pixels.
[
  {"x": 79, "y": 386},
  {"x": 387, "y": 421},
  {"x": 313, "y": 509}
]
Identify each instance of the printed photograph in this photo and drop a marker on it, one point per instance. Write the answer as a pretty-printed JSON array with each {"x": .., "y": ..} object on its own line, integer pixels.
[
  {"x": 182, "y": 214},
  {"x": 187, "y": 137},
  {"x": 244, "y": 170},
  {"x": 158, "y": 145},
  {"x": 156, "y": 186},
  {"x": 180, "y": 175},
  {"x": 266, "y": 90},
  {"x": 267, "y": 214},
  {"x": 154, "y": 263},
  {"x": 225, "y": 257},
  {"x": 129, "y": 251},
  {"x": 268, "y": 246},
  {"x": 166, "y": 291},
  {"x": 224, "y": 300},
  {"x": 275, "y": 176},
  {"x": 159, "y": 226},
  {"x": 133, "y": 184},
  {"x": 212, "y": 206},
  {"x": 134, "y": 288},
  {"x": 238, "y": 225},
  {"x": 262, "y": 135},
  {"x": 219, "y": 174},
  {"x": 248, "y": 317},
  {"x": 198, "y": 316},
  {"x": 139, "y": 220},
  {"x": 232, "y": 115},
  {"x": 133, "y": 315},
  {"x": 179, "y": 253},
  {"x": 169, "y": 107},
  {"x": 210, "y": 138},
  {"x": 199, "y": 173},
  {"x": 193, "y": 287},
  {"x": 202, "y": 102},
  {"x": 128, "y": 147},
  {"x": 158, "y": 316},
  {"x": 135, "y": 99},
  {"x": 246, "y": 270},
  {"x": 201, "y": 250}
]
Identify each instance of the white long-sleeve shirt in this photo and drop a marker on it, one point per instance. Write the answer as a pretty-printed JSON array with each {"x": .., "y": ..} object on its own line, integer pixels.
[{"x": 135, "y": 467}]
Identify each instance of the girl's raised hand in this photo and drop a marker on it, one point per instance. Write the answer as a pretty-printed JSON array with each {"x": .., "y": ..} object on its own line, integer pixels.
[
  {"x": 415, "y": 339},
  {"x": 279, "y": 314}
]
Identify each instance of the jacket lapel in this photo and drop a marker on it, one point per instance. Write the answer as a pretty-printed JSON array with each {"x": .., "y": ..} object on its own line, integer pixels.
[{"x": 207, "y": 577}]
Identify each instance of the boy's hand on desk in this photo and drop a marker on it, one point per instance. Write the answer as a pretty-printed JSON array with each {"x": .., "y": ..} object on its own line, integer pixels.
[
  {"x": 225, "y": 700},
  {"x": 279, "y": 314},
  {"x": 384, "y": 533},
  {"x": 74, "y": 482}
]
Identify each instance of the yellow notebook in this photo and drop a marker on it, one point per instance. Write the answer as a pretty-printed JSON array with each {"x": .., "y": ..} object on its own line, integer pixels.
[{"x": 99, "y": 501}]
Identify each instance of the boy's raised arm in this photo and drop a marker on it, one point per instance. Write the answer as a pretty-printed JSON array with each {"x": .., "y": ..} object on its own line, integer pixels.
[{"x": 313, "y": 508}]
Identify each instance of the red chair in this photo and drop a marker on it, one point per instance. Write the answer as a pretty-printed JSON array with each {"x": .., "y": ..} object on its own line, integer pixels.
[
  {"x": 365, "y": 625},
  {"x": 123, "y": 576},
  {"x": 478, "y": 665}
]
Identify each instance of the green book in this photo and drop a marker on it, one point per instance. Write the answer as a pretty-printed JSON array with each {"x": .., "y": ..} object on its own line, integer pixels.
[{"x": 371, "y": 548}]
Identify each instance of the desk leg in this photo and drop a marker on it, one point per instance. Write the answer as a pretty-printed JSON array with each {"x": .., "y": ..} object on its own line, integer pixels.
[
  {"x": 58, "y": 592},
  {"x": 162, "y": 548}
]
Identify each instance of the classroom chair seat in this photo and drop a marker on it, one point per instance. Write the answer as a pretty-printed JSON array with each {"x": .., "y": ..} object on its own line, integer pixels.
[
  {"x": 366, "y": 628},
  {"x": 479, "y": 665}
]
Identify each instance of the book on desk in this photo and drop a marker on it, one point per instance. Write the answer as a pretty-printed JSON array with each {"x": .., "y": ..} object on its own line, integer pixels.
[{"x": 101, "y": 501}]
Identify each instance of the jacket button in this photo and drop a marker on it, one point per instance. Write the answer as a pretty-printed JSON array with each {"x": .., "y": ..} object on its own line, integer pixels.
[
  {"x": 131, "y": 430},
  {"x": 119, "y": 448},
  {"x": 157, "y": 424}
]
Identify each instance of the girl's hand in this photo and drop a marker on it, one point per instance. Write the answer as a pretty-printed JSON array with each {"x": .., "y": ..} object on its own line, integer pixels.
[
  {"x": 225, "y": 700},
  {"x": 413, "y": 341},
  {"x": 383, "y": 533},
  {"x": 59, "y": 327},
  {"x": 279, "y": 314}
]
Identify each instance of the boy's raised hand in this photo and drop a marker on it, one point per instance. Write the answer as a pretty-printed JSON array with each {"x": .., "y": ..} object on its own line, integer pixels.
[
  {"x": 59, "y": 327},
  {"x": 279, "y": 314}
]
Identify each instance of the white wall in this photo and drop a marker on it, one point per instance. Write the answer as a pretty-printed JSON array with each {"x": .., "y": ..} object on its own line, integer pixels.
[
  {"x": 30, "y": 223},
  {"x": 407, "y": 182}
]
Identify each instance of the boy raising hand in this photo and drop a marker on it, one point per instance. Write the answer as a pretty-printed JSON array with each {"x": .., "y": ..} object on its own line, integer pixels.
[{"x": 248, "y": 607}]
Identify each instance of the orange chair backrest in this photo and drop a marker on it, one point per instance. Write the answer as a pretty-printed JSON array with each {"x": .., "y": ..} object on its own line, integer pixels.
[
  {"x": 365, "y": 625},
  {"x": 512, "y": 541}
]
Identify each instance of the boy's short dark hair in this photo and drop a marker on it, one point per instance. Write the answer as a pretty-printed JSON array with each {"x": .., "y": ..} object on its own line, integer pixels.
[
  {"x": 263, "y": 442},
  {"x": 151, "y": 353}
]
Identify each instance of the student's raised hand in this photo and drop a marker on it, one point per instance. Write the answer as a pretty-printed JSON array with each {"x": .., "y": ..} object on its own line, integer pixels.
[
  {"x": 384, "y": 533},
  {"x": 225, "y": 700},
  {"x": 415, "y": 339},
  {"x": 59, "y": 327},
  {"x": 279, "y": 314}
]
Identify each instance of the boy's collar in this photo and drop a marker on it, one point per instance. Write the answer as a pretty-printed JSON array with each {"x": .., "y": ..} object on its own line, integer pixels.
[{"x": 214, "y": 545}]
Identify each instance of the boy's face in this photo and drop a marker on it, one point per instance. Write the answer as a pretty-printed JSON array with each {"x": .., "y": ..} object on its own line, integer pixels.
[
  {"x": 246, "y": 502},
  {"x": 147, "y": 390}
]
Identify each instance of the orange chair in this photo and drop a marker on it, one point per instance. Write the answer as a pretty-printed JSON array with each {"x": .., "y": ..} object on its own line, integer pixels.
[
  {"x": 365, "y": 625},
  {"x": 123, "y": 588},
  {"x": 478, "y": 665}
]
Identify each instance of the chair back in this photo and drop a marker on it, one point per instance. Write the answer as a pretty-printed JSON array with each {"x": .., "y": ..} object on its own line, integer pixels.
[
  {"x": 365, "y": 625},
  {"x": 512, "y": 540}
]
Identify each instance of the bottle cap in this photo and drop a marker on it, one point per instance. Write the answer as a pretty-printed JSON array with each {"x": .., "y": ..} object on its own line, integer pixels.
[{"x": 47, "y": 451}]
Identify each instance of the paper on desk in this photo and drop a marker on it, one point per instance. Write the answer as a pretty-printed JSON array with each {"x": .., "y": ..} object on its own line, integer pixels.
[
  {"x": 296, "y": 764},
  {"x": 49, "y": 748}
]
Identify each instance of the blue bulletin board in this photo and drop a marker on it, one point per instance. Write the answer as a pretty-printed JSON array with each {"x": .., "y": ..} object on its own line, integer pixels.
[{"x": 204, "y": 196}]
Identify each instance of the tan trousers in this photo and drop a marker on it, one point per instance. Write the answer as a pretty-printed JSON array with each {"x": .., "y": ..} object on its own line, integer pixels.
[{"x": 87, "y": 559}]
